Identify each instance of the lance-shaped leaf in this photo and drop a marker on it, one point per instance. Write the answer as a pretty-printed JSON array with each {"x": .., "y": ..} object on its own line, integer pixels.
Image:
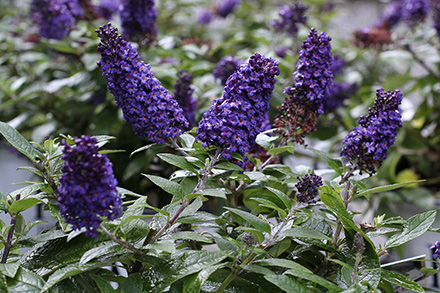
[
  {"x": 19, "y": 142},
  {"x": 167, "y": 185},
  {"x": 254, "y": 221}
]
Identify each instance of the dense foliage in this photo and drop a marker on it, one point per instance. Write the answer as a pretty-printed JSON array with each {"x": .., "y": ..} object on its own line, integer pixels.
[{"x": 241, "y": 138}]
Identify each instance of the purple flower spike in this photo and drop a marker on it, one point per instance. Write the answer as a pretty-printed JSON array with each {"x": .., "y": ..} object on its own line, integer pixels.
[
  {"x": 291, "y": 15},
  {"x": 234, "y": 119},
  {"x": 138, "y": 19},
  {"x": 183, "y": 94},
  {"x": 108, "y": 7},
  {"x": 366, "y": 146},
  {"x": 145, "y": 103},
  {"x": 414, "y": 11},
  {"x": 225, "y": 67},
  {"x": 87, "y": 189},
  {"x": 53, "y": 17},
  {"x": 436, "y": 248},
  {"x": 313, "y": 77},
  {"x": 205, "y": 16},
  {"x": 308, "y": 188},
  {"x": 226, "y": 7},
  {"x": 338, "y": 93},
  {"x": 392, "y": 15}
]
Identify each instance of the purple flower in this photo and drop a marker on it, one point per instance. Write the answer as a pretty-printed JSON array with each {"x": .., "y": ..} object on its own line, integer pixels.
[
  {"x": 226, "y": 7},
  {"x": 108, "y": 7},
  {"x": 436, "y": 248},
  {"x": 205, "y": 16},
  {"x": 435, "y": 7},
  {"x": 138, "y": 19},
  {"x": 235, "y": 118},
  {"x": 225, "y": 67},
  {"x": 337, "y": 65},
  {"x": 338, "y": 93},
  {"x": 392, "y": 15},
  {"x": 75, "y": 8},
  {"x": 291, "y": 15},
  {"x": 145, "y": 103},
  {"x": 414, "y": 11},
  {"x": 53, "y": 17},
  {"x": 281, "y": 52},
  {"x": 308, "y": 188},
  {"x": 87, "y": 189},
  {"x": 366, "y": 146},
  {"x": 305, "y": 100},
  {"x": 183, "y": 94}
]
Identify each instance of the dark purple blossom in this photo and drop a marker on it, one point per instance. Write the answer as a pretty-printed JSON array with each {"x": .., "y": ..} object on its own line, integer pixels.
[
  {"x": 225, "y": 67},
  {"x": 414, "y": 11},
  {"x": 305, "y": 100},
  {"x": 307, "y": 188},
  {"x": 108, "y": 7},
  {"x": 366, "y": 146},
  {"x": 436, "y": 248},
  {"x": 226, "y": 7},
  {"x": 337, "y": 65},
  {"x": 235, "y": 118},
  {"x": 138, "y": 19},
  {"x": 291, "y": 15},
  {"x": 145, "y": 103},
  {"x": 183, "y": 94},
  {"x": 87, "y": 189},
  {"x": 205, "y": 16},
  {"x": 392, "y": 15},
  {"x": 338, "y": 93},
  {"x": 75, "y": 8},
  {"x": 377, "y": 37},
  {"x": 53, "y": 17},
  {"x": 281, "y": 52}
]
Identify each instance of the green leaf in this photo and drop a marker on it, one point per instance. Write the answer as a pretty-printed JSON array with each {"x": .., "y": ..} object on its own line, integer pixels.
[
  {"x": 19, "y": 142},
  {"x": 290, "y": 148},
  {"x": 167, "y": 270},
  {"x": 251, "y": 219},
  {"x": 228, "y": 166},
  {"x": 23, "y": 204},
  {"x": 194, "y": 283},
  {"x": 103, "y": 285},
  {"x": 386, "y": 188},
  {"x": 332, "y": 161},
  {"x": 103, "y": 249},
  {"x": 165, "y": 245},
  {"x": 303, "y": 232},
  {"x": 178, "y": 161},
  {"x": 9, "y": 269},
  {"x": 197, "y": 218},
  {"x": 167, "y": 185},
  {"x": 215, "y": 192},
  {"x": 188, "y": 235},
  {"x": 42, "y": 237},
  {"x": 265, "y": 140},
  {"x": 255, "y": 175},
  {"x": 286, "y": 283},
  {"x": 146, "y": 147},
  {"x": 66, "y": 272},
  {"x": 282, "y": 196},
  {"x": 132, "y": 284},
  {"x": 187, "y": 140},
  {"x": 401, "y": 280},
  {"x": 259, "y": 237},
  {"x": 25, "y": 281},
  {"x": 416, "y": 226}
]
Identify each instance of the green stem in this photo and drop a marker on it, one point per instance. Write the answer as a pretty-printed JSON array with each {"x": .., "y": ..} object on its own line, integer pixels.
[
  {"x": 117, "y": 240},
  {"x": 8, "y": 244},
  {"x": 235, "y": 272}
]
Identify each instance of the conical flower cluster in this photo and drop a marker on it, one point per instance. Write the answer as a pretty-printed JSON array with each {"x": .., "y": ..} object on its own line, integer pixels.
[
  {"x": 366, "y": 146},
  {"x": 184, "y": 96},
  {"x": 87, "y": 189},
  {"x": 307, "y": 188},
  {"x": 138, "y": 19},
  {"x": 146, "y": 104},
  {"x": 234, "y": 119}
]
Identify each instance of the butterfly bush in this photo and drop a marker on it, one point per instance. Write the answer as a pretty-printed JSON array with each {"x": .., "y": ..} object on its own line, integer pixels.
[
  {"x": 366, "y": 146},
  {"x": 183, "y": 93},
  {"x": 307, "y": 188},
  {"x": 53, "y": 17},
  {"x": 225, "y": 67},
  {"x": 226, "y": 7},
  {"x": 235, "y": 118},
  {"x": 138, "y": 19},
  {"x": 291, "y": 15},
  {"x": 414, "y": 11},
  {"x": 87, "y": 189},
  {"x": 145, "y": 103},
  {"x": 305, "y": 101}
]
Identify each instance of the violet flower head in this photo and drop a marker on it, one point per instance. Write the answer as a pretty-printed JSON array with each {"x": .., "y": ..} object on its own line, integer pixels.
[
  {"x": 291, "y": 15},
  {"x": 235, "y": 118},
  {"x": 107, "y": 8},
  {"x": 225, "y": 67},
  {"x": 337, "y": 65},
  {"x": 87, "y": 189},
  {"x": 75, "y": 8},
  {"x": 392, "y": 15},
  {"x": 338, "y": 93},
  {"x": 436, "y": 248},
  {"x": 308, "y": 188},
  {"x": 281, "y": 52},
  {"x": 414, "y": 11},
  {"x": 145, "y": 103},
  {"x": 138, "y": 19},
  {"x": 205, "y": 16},
  {"x": 366, "y": 146},
  {"x": 183, "y": 93},
  {"x": 226, "y": 7},
  {"x": 313, "y": 78},
  {"x": 53, "y": 17}
]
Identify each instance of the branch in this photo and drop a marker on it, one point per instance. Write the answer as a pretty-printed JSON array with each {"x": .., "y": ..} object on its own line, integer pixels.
[{"x": 8, "y": 244}]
